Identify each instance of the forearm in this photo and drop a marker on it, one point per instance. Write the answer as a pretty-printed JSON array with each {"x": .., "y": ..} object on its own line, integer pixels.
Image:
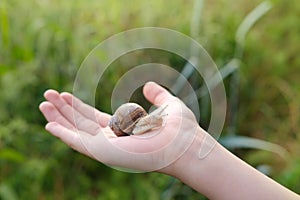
[{"x": 221, "y": 175}]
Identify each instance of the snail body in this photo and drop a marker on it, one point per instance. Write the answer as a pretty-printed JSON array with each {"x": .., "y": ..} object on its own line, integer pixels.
[{"x": 132, "y": 119}]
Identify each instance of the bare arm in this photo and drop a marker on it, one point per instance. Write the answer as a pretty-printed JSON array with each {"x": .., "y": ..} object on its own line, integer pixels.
[{"x": 221, "y": 175}]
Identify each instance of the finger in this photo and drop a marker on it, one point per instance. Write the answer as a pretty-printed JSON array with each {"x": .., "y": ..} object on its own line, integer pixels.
[
  {"x": 71, "y": 138},
  {"x": 74, "y": 117},
  {"x": 86, "y": 110},
  {"x": 156, "y": 94},
  {"x": 53, "y": 115}
]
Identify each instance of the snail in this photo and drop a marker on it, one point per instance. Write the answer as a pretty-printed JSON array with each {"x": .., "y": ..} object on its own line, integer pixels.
[{"x": 132, "y": 119}]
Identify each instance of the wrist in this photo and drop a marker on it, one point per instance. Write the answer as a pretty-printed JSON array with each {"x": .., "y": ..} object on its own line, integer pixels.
[
  {"x": 180, "y": 166},
  {"x": 203, "y": 165}
]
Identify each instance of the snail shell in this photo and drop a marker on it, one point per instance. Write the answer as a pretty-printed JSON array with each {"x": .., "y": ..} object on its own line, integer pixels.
[{"x": 132, "y": 119}]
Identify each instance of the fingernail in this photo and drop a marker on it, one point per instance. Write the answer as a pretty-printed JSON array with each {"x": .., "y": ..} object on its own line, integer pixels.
[{"x": 50, "y": 126}]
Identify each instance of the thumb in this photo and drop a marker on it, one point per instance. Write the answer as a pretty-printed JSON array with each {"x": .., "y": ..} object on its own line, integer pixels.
[{"x": 156, "y": 94}]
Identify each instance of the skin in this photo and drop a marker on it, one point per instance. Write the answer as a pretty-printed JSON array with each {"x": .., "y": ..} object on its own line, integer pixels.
[{"x": 218, "y": 175}]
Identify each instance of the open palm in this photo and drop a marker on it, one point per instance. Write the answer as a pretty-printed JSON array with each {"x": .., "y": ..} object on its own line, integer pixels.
[{"x": 85, "y": 129}]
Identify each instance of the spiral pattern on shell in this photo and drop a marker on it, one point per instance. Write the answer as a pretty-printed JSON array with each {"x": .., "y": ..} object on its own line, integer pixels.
[{"x": 125, "y": 117}]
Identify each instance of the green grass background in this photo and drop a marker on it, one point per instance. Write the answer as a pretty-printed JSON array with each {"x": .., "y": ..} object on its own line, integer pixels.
[{"x": 43, "y": 42}]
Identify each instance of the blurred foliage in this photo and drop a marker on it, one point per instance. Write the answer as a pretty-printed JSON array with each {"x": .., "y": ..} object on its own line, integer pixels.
[{"x": 42, "y": 44}]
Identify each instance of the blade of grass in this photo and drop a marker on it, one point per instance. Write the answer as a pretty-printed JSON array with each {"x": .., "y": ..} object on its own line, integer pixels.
[
  {"x": 188, "y": 69},
  {"x": 196, "y": 18},
  {"x": 234, "y": 142},
  {"x": 225, "y": 71},
  {"x": 250, "y": 20},
  {"x": 186, "y": 72},
  {"x": 257, "y": 13}
]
